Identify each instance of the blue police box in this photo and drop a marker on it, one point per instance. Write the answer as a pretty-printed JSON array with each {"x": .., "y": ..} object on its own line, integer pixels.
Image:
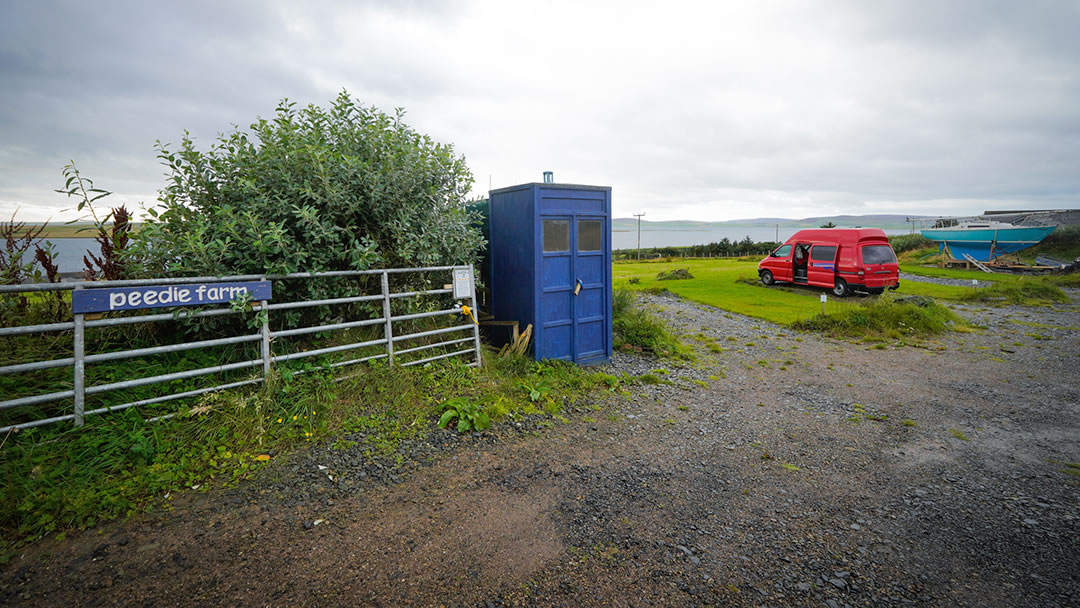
[{"x": 550, "y": 261}]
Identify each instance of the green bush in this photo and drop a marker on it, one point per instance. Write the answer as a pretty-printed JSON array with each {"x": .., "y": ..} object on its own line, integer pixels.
[
  {"x": 908, "y": 242},
  {"x": 1063, "y": 243},
  {"x": 313, "y": 189}
]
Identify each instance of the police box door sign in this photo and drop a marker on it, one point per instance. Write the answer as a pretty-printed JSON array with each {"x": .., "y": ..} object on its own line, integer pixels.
[{"x": 161, "y": 296}]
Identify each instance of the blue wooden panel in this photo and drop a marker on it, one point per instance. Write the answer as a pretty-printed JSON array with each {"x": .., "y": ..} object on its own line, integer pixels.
[
  {"x": 591, "y": 342},
  {"x": 555, "y": 306},
  {"x": 555, "y": 343},
  {"x": 590, "y": 269},
  {"x": 589, "y": 303},
  {"x": 513, "y": 249},
  {"x": 165, "y": 296},
  {"x": 563, "y": 205},
  {"x": 555, "y": 271}
]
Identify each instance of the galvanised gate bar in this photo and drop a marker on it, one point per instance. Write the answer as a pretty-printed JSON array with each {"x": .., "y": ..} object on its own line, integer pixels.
[{"x": 462, "y": 287}]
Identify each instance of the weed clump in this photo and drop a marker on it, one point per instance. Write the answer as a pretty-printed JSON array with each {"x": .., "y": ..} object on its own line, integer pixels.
[
  {"x": 674, "y": 274},
  {"x": 885, "y": 318},
  {"x": 636, "y": 327}
]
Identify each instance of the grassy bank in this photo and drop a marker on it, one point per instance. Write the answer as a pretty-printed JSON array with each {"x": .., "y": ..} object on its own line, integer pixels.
[{"x": 58, "y": 478}]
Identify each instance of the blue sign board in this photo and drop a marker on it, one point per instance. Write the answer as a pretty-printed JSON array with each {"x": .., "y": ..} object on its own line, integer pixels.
[{"x": 161, "y": 296}]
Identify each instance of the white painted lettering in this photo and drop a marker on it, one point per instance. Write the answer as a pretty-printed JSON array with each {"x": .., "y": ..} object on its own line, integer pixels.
[
  {"x": 134, "y": 298},
  {"x": 150, "y": 298},
  {"x": 199, "y": 291},
  {"x": 116, "y": 299},
  {"x": 183, "y": 296},
  {"x": 166, "y": 296}
]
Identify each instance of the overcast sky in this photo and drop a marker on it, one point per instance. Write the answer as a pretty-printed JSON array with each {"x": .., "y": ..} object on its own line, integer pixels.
[{"x": 708, "y": 111}]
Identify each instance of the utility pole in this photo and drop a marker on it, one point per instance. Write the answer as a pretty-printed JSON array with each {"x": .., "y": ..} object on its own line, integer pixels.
[
  {"x": 638, "y": 216},
  {"x": 777, "y": 234}
]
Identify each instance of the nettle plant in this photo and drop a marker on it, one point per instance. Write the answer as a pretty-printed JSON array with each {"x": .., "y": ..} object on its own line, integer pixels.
[{"x": 342, "y": 188}]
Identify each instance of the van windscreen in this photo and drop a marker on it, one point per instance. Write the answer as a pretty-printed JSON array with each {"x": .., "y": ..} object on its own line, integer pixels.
[{"x": 878, "y": 254}]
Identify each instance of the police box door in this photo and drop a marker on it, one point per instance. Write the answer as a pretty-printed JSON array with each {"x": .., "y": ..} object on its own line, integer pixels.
[{"x": 573, "y": 304}]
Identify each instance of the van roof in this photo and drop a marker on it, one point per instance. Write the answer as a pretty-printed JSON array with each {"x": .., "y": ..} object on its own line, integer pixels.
[{"x": 848, "y": 236}]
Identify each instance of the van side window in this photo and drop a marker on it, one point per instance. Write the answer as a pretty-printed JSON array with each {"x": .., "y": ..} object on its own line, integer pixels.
[
  {"x": 782, "y": 252},
  {"x": 823, "y": 253}
]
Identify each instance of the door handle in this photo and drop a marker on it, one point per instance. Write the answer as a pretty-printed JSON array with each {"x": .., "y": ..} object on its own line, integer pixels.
[{"x": 577, "y": 288}]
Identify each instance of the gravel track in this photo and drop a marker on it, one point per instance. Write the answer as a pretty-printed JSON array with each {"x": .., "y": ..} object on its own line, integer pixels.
[{"x": 787, "y": 470}]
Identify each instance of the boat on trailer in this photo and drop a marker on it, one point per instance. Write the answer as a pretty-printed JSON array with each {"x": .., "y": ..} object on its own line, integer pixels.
[{"x": 985, "y": 240}]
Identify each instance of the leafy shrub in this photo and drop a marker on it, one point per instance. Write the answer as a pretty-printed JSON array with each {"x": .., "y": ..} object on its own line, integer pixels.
[
  {"x": 1063, "y": 242},
  {"x": 312, "y": 190},
  {"x": 909, "y": 242},
  {"x": 884, "y": 317}
]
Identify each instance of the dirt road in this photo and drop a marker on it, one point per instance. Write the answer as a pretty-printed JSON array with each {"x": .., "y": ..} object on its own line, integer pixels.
[{"x": 809, "y": 472}]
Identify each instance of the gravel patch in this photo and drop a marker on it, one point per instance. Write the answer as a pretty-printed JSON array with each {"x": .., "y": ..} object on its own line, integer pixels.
[
  {"x": 786, "y": 470},
  {"x": 946, "y": 281}
]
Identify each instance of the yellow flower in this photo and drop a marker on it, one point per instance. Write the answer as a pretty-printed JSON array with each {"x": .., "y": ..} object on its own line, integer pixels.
[
  {"x": 294, "y": 417},
  {"x": 279, "y": 420}
]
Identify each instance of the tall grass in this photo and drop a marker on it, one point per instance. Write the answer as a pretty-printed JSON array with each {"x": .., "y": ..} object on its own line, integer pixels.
[
  {"x": 885, "y": 317},
  {"x": 636, "y": 326}
]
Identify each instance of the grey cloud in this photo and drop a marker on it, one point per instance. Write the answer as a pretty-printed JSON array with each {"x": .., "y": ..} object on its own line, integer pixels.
[{"x": 837, "y": 105}]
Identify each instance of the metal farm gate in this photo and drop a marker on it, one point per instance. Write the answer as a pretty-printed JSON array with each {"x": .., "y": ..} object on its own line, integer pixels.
[{"x": 461, "y": 287}]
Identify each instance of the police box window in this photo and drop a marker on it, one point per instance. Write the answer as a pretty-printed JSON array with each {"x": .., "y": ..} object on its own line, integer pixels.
[
  {"x": 590, "y": 235},
  {"x": 556, "y": 235},
  {"x": 823, "y": 253}
]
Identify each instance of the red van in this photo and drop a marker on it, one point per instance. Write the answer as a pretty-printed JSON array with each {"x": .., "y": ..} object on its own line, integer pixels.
[{"x": 843, "y": 259}]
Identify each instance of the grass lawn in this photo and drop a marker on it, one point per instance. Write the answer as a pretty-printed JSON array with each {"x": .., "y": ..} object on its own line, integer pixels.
[{"x": 716, "y": 282}]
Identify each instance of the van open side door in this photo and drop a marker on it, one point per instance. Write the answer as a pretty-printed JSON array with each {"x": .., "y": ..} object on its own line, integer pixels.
[{"x": 821, "y": 270}]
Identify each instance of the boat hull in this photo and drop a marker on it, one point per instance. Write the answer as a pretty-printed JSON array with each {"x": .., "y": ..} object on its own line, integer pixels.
[{"x": 984, "y": 244}]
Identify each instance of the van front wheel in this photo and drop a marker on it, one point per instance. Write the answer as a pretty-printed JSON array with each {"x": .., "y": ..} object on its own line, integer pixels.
[
  {"x": 767, "y": 278},
  {"x": 840, "y": 288}
]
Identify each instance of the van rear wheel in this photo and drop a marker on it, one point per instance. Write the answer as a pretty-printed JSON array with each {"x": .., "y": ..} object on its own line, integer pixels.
[
  {"x": 767, "y": 278},
  {"x": 840, "y": 288}
]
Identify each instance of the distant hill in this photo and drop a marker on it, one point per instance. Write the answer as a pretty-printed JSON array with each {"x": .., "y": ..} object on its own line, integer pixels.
[{"x": 869, "y": 221}]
